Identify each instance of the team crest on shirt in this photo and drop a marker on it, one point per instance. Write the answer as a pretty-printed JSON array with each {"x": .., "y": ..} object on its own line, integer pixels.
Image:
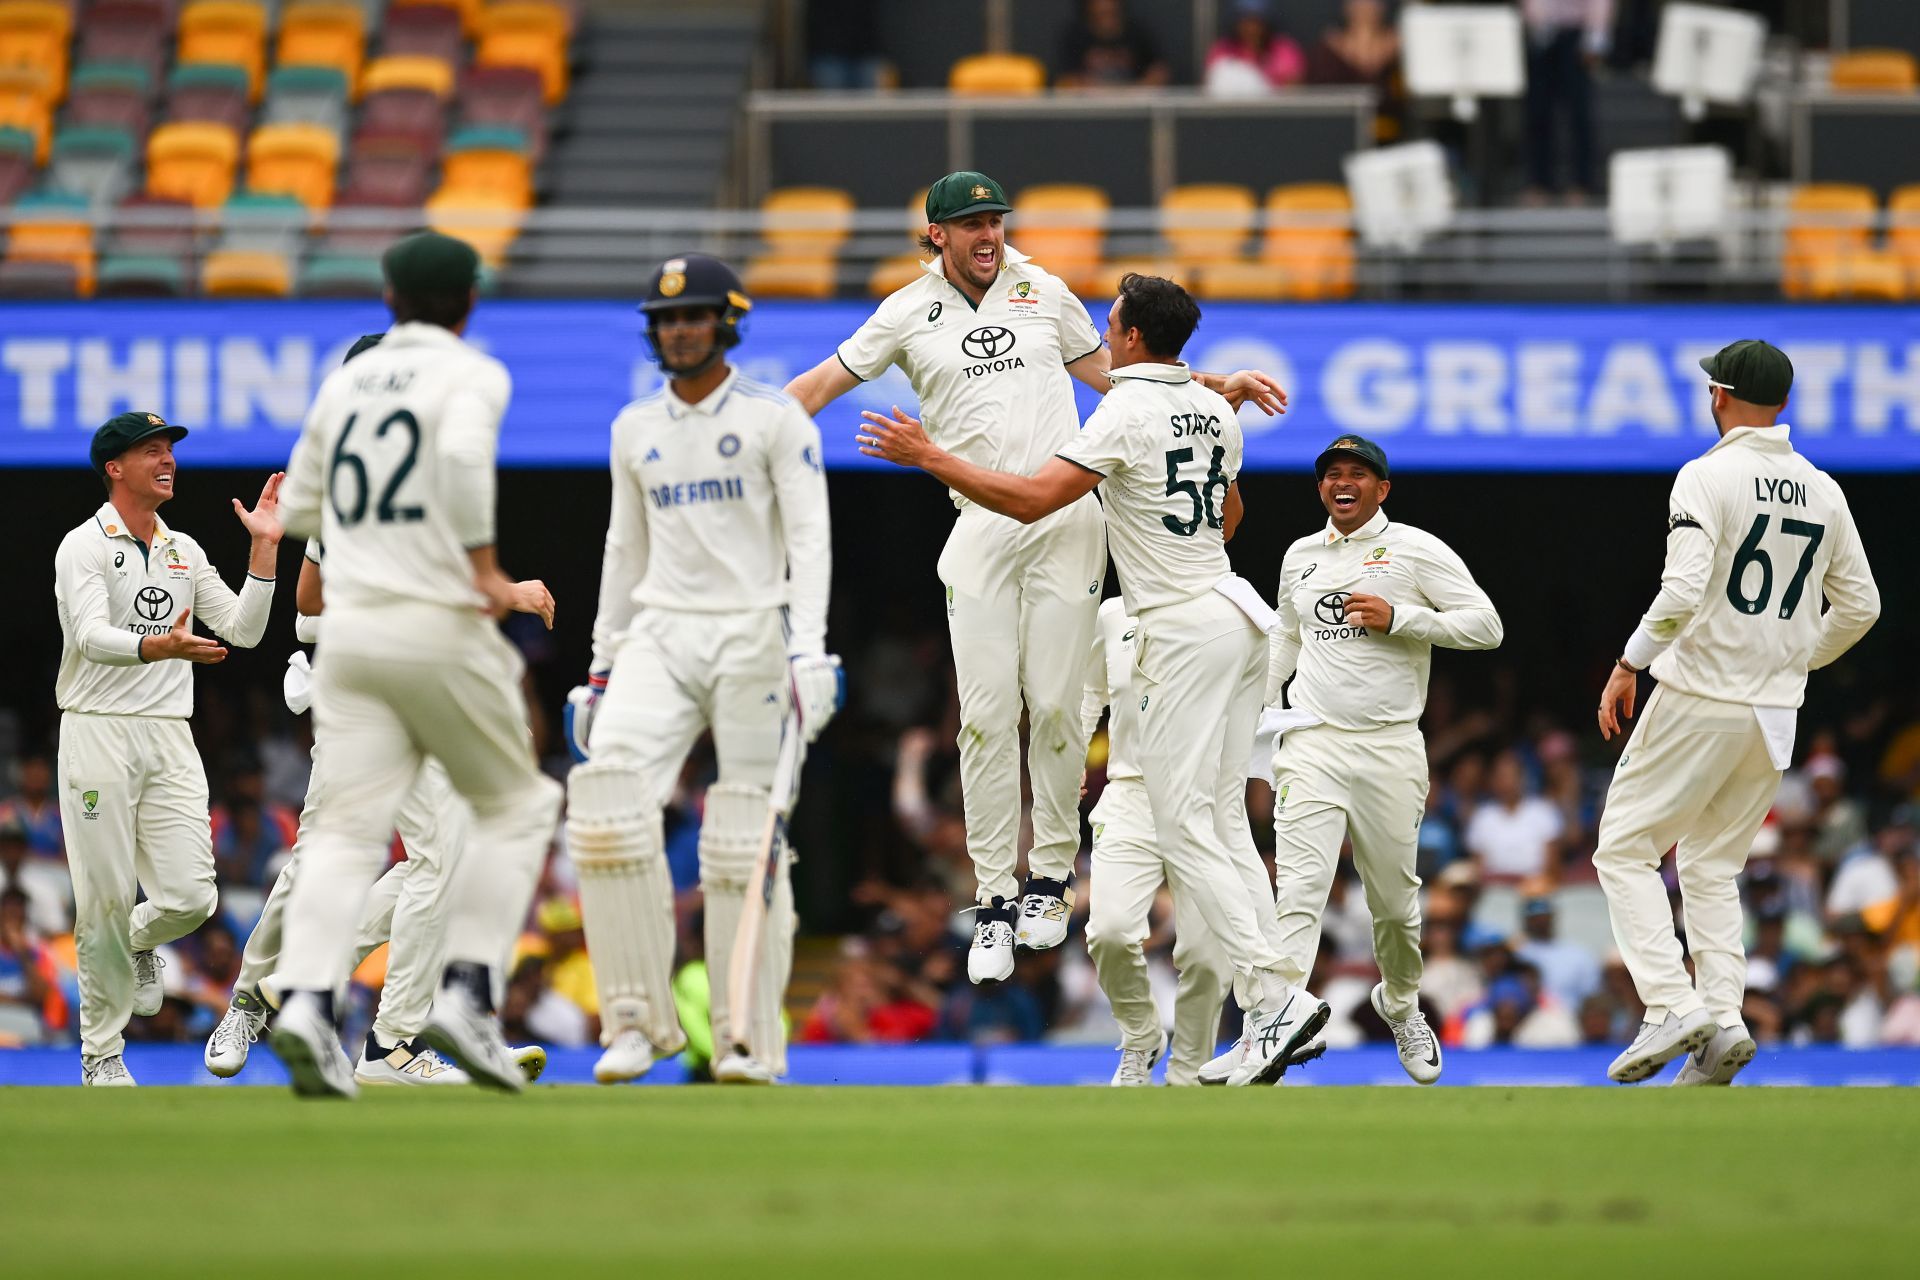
[
  {"x": 1024, "y": 294},
  {"x": 1378, "y": 564},
  {"x": 729, "y": 445},
  {"x": 90, "y": 801}
]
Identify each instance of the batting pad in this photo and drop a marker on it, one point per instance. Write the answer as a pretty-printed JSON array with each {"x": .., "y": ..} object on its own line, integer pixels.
[
  {"x": 626, "y": 901},
  {"x": 730, "y": 843}
]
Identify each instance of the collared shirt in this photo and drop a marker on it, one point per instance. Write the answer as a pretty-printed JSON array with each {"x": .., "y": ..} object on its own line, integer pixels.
[
  {"x": 112, "y": 591},
  {"x": 718, "y": 507},
  {"x": 992, "y": 380},
  {"x": 1168, "y": 450},
  {"x": 1355, "y": 677},
  {"x": 394, "y": 470},
  {"x": 1109, "y": 672},
  {"x": 1757, "y": 536}
]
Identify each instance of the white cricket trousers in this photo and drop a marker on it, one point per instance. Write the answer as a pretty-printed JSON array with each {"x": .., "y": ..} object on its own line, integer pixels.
[
  {"x": 1695, "y": 774},
  {"x": 133, "y": 805},
  {"x": 1199, "y": 671},
  {"x": 1370, "y": 784},
  {"x": 1127, "y": 873},
  {"x": 406, "y": 908},
  {"x": 1022, "y": 602},
  {"x": 396, "y": 684}
]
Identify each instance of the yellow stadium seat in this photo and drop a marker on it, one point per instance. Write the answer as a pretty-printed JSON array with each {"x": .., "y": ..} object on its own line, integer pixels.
[
  {"x": 487, "y": 220},
  {"x": 294, "y": 159},
  {"x": 54, "y": 236},
  {"x": 408, "y": 72},
  {"x": 495, "y": 171},
  {"x": 1006, "y": 73},
  {"x": 469, "y": 10},
  {"x": 37, "y": 34},
  {"x": 1903, "y": 233},
  {"x": 806, "y": 222},
  {"x": 1874, "y": 71},
  {"x": 520, "y": 47},
  {"x": 32, "y": 114},
  {"x": 895, "y": 273},
  {"x": 246, "y": 273},
  {"x": 1206, "y": 222},
  {"x": 525, "y": 15},
  {"x": 1309, "y": 237},
  {"x": 1242, "y": 282},
  {"x": 1062, "y": 225},
  {"x": 318, "y": 34},
  {"x": 1827, "y": 223},
  {"x": 192, "y": 162},
  {"x": 1103, "y": 282},
  {"x": 776, "y": 275},
  {"x": 229, "y": 31}
]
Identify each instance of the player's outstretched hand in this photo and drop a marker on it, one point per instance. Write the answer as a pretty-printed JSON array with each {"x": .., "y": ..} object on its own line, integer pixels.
[
  {"x": 263, "y": 522},
  {"x": 181, "y": 643},
  {"x": 531, "y": 596},
  {"x": 1368, "y": 611},
  {"x": 1245, "y": 385},
  {"x": 1616, "y": 701},
  {"x": 899, "y": 439}
]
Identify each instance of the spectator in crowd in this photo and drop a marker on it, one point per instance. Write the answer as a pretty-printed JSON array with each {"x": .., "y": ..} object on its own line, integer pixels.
[
  {"x": 33, "y": 1009},
  {"x": 1254, "y": 57},
  {"x": 1439, "y": 844},
  {"x": 251, "y": 835},
  {"x": 1516, "y": 1012},
  {"x": 1105, "y": 48},
  {"x": 1565, "y": 786},
  {"x": 868, "y": 1002},
  {"x": 44, "y": 882},
  {"x": 843, "y": 44},
  {"x": 1570, "y": 973},
  {"x": 1866, "y": 880},
  {"x": 1450, "y": 980},
  {"x": 1565, "y": 38},
  {"x": 1363, "y": 49},
  {"x": 1839, "y": 823},
  {"x": 1514, "y": 835},
  {"x": 35, "y": 809}
]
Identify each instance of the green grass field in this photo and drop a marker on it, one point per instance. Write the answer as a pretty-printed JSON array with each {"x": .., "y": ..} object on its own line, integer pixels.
[{"x": 1026, "y": 1183}]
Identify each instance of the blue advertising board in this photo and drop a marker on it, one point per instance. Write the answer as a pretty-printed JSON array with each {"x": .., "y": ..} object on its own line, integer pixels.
[{"x": 1444, "y": 387}]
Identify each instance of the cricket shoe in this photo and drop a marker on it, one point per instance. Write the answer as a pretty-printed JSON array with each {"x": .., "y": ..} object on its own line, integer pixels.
[
  {"x": 1136, "y": 1065},
  {"x": 740, "y": 1068},
  {"x": 990, "y": 958},
  {"x": 532, "y": 1061},
  {"x": 306, "y": 1043},
  {"x": 1045, "y": 907},
  {"x": 148, "y": 992},
  {"x": 1660, "y": 1043},
  {"x": 461, "y": 1028},
  {"x": 1216, "y": 1071},
  {"x": 232, "y": 1040},
  {"x": 109, "y": 1072},
  {"x": 1276, "y": 1034},
  {"x": 1719, "y": 1060},
  {"x": 409, "y": 1062},
  {"x": 629, "y": 1056},
  {"x": 1419, "y": 1047}
]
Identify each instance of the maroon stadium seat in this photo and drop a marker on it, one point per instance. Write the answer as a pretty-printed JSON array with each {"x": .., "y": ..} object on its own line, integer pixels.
[
  {"x": 210, "y": 94},
  {"x": 387, "y": 170},
  {"x": 111, "y": 106},
  {"x": 126, "y": 31},
  {"x": 423, "y": 31},
  {"x": 35, "y": 278},
  {"x": 412, "y": 113},
  {"x": 172, "y": 238},
  {"x": 512, "y": 97}
]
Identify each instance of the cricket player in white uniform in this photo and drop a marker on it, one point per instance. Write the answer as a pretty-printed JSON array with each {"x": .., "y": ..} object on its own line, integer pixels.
[
  {"x": 992, "y": 343},
  {"x": 133, "y": 794},
  {"x": 713, "y": 615},
  {"x": 394, "y": 472},
  {"x": 1168, "y": 450},
  {"x": 1362, "y": 603},
  {"x": 1757, "y": 537}
]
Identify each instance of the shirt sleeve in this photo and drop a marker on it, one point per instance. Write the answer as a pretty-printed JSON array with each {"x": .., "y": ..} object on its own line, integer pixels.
[
  {"x": 1850, "y": 589},
  {"x": 1691, "y": 525},
  {"x": 800, "y": 491},
  {"x": 1078, "y": 337},
  {"x": 1283, "y": 642},
  {"x": 302, "y": 491},
  {"x": 873, "y": 346},
  {"x": 1106, "y": 445},
  {"x": 469, "y": 443},
  {"x": 1461, "y": 615},
  {"x": 624, "y": 561},
  {"x": 79, "y": 570},
  {"x": 239, "y": 618}
]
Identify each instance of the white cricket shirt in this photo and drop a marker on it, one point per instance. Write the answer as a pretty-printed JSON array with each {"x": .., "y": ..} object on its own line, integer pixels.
[
  {"x": 1353, "y": 677},
  {"x": 394, "y": 470},
  {"x": 718, "y": 507},
  {"x": 1168, "y": 449},
  {"x": 1109, "y": 672},
  {"x": 992, "y": 380},
  {"x": 111, "y": 592}
]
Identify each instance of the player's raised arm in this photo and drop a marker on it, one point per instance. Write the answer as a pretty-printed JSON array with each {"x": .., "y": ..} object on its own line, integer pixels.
[
  {"x": 903, "y": 441},
  {"x": 241, "y": 617},
  {"x": 821, "y": 385}
]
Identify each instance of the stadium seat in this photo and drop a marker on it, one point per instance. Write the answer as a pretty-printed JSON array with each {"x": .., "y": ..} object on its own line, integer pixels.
[
  {"x": 512, "y": 97},
  {"x": 1206, "y": 222},
  {"x": 342, "y": 277},
  {"x": 212, "y": 92},
  {"x": 54, "y": 226},
  {"x": 1241, "y": 282},
  {"x": 314, "y": 33},
  {"x": 37, "y": 33},
  {"x": 32, "y": 115},
  {"x": 1309, "y": 239},
  {"x": 420, "y": 114},
  {"x": 134, "y": 31},
  {"x": 307, "y": 95},
  {"x": 294, "y": 159},
  {"x": 246, "y": 273},
  {"x": 487, "y": 220},
  {"x": 806, "y": 222},
  {"x": 409, "y": 71},
  {"x": 153, "y": 226},
  {"x": 141, "y": 276},
  {"x": 39, "y": 278},
  {"x": 1827, "y": 223},
  {"x": 523, "y": 34},
  {"x": 1063, "y": 225},
  {"x": 227, "y": 31},
  {"x": 895, "y": 273},
  {"x": 1874, "y": 71},
  {"x": 18, "y": 165},
  {"x": 93, "y": 161},
  {"x": 1104, "y": 283},
  {"x": 111, "y": 95},
  {"x": 997, "y": 73},
  {"x": 193, "y": 161},
  {"x": 491, "y": 160},
  {"x": 387, "y": 170},
  {"x": 1903, "y": 232},
  {"x": 775, "y": 275},
  {"x": 465, "y": 12},
  {"x": 426, "y": 31}
]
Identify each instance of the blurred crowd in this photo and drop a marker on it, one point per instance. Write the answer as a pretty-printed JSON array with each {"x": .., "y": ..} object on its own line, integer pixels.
[{"x": 1518, "y": 946}]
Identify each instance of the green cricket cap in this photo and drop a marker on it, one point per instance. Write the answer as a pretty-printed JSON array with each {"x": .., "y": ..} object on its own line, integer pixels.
[
  {"x": 965, "y": 192},
  {"x": 123, "y": 431},
  {"x": 1351, "y": 446},
  {"x": 1751, "y": 370},
  {"x": 428, "y": 262}
]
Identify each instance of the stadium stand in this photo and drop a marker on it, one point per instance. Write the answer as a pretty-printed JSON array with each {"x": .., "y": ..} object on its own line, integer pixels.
[{"x": 1006, "y": 73}]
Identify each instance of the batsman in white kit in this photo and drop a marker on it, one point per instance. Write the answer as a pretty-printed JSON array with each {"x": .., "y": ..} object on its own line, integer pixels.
[
  {"x": 394, "y": 472},
  {"x": 992, "y": 344},
  {"x": 133, "y": 793},
  {"x": 1757, "y": 537},
  {"x": 713, "y": 616},
  {"x": 1168, "y": 450},
  {"x": 1362, "y": 603}
]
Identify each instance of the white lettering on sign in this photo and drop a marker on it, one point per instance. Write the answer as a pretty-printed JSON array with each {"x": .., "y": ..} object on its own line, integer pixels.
[
  {"x": 1879, "y": 390},
  {"x": 36, "y": 361},
  {"x": 1368, "y": 388},
  {"x": 278, "y": 387},
  {"x": 1632, "y": 391},
  {"x": 1466, "y": 387},
  {"x": 1817, "y": 366},
  {"x": 1547, "y": 385},
  {"x": 107, "y": 386},
  {"x": 192, "y": 382}
]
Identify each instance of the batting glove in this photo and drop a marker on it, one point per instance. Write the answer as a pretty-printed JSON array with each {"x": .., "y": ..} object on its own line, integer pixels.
[
  {"x": 577, "y": 718},
  {"x": 819, "y": 689}
]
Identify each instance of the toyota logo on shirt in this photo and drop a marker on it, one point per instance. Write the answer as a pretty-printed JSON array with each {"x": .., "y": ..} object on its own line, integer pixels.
[
  {"x": 988, "y": 342},
  {"x": 1331, "y": 608},
  {"x": 152, "y": 603}
]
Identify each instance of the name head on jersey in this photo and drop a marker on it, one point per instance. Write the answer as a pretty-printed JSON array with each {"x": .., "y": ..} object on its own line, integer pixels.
[
  {"x": 696, "y": 312},
  {"x": 128, "y": 443},
  {"x": 431, "y": 279}
]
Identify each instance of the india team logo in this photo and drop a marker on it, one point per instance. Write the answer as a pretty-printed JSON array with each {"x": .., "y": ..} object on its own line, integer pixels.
[{"x": 729, "y": 445}]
